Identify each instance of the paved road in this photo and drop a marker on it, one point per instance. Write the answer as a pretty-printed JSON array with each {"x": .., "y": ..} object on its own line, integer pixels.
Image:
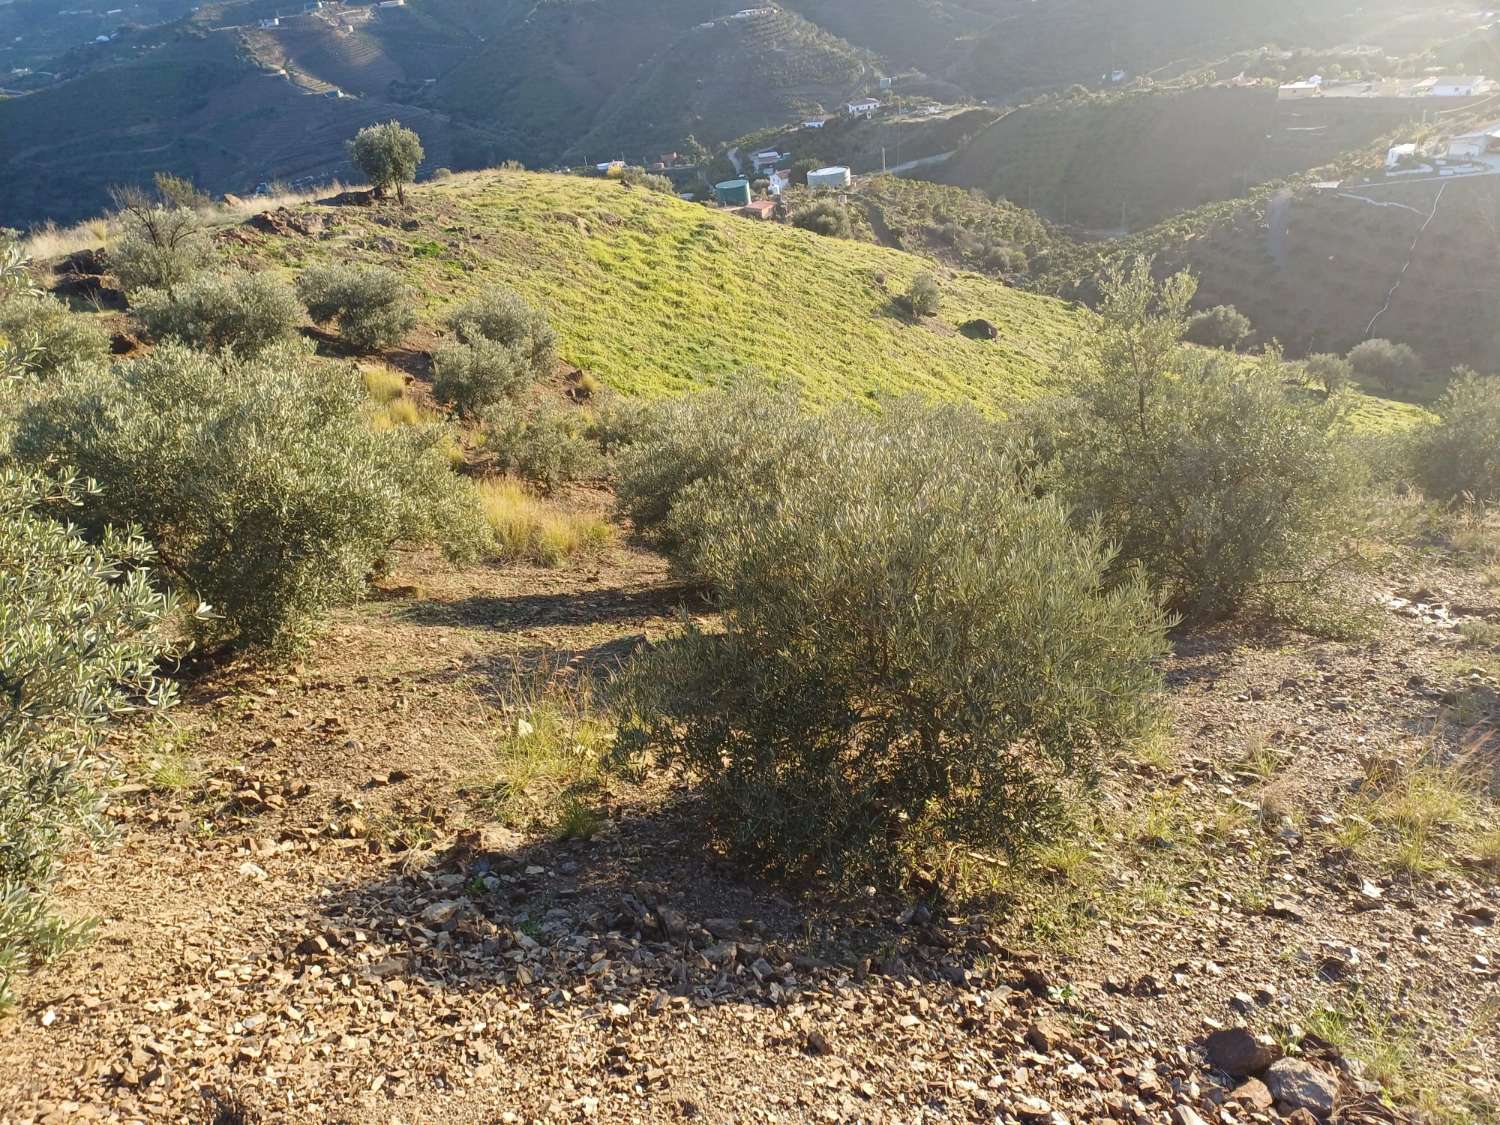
[{"x": 921, "y": 162}]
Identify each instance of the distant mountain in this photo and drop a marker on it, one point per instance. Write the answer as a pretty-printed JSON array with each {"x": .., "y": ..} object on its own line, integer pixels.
[
  {"x": 234, "y": 92},
  {"x": 200, "y": 106}
]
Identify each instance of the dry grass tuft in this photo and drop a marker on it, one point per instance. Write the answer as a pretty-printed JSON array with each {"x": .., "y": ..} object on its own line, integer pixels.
[
  {"x": 550, "y": 758},
  {"x": 384, "y": 384},
  {"x": 534, "y": 530},
  {"x": 48, "y": 241},
  {"x": 1417, "y": 819}
]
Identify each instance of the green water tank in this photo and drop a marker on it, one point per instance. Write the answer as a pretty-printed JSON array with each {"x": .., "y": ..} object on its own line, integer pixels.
[{"x": 733, "y": 193}]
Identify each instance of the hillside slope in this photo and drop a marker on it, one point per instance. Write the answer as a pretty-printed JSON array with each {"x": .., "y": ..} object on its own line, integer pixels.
[
  {"x": 726, "y": 77},
  {"x": 1133, "y": 159},
  {"x": 1416, "y": 262},
  {"x": 1001, "y": 48},
  {"x": 654, "y": 295},
  {"x": 198, "y": 106}
]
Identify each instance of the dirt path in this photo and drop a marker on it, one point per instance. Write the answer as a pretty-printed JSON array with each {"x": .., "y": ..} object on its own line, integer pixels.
[{"x": 313, "y": 910}]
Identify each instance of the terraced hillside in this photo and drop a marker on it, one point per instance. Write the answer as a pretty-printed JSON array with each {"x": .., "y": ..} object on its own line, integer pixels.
[
  {"x": 1130, "y": 160},
  {"x": 961, "y": 229},
  {"x": 1001, "y": 48},
  {"x": 724, "y": 78},
  {"x": 585, "y": 79},
  {"x": 635, "y": 76},
  {"x": 655, "y": 295},
  {"x": 1321, "y": 271}
]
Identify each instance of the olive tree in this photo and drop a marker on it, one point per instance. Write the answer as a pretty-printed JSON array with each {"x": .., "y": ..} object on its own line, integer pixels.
[
  {"x": 46, "y": 335},
  {"x": 826, "y": 217},
  {"x": 1458, "y": 453},
  {"x": 79, "y": 641},
  {"x": 915, "y": 653},
  {"x": 1199, "y": 466},
  {"x": 161, "y": 244},
  {"x": 257, "y": 479},
  {"x": 925, "y": 297},
  {"x": 1222, "y": 326},
  {"x": 388, "y": 155},
  {"x": 370, "y": 304},
  {"x": 248, "y": 312}
]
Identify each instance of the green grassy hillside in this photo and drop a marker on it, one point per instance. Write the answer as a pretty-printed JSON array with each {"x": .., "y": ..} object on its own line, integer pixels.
[{"x": 655, "y": 295}]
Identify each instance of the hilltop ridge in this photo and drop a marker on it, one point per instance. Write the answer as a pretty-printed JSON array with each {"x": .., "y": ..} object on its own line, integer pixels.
[{"x": 653, "y": 294}]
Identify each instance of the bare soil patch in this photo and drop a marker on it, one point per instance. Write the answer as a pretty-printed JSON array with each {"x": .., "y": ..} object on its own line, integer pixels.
[{"x": 312, "y": 912}]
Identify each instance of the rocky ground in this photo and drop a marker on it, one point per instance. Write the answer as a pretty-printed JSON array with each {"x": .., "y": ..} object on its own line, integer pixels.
[{"x": 314, "y": 913}]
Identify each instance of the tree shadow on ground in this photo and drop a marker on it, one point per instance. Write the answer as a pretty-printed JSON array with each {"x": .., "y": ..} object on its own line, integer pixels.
[
  {"x": 646, "y": 910},
  {"x": 573, "y": 607}
]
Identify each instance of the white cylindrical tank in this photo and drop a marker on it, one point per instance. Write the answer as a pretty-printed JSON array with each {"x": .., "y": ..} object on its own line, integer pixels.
[{"x": 835, "y": 177}]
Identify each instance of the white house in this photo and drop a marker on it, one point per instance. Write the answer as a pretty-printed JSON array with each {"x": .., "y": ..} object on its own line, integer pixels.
[
  {"x": 765, "y": 160},
  {"x": 1309, "y": 88},
  {"x": 862, "y": 107},
  {"x": 1398, "y": 153},
  {"x": 780, "y": 181},
  {"x": 1455, "y": 86},
  {"x": 267, "y": 24},
  {"x": 817, "y": 121},
  {"x": 1467, "y": 146}
]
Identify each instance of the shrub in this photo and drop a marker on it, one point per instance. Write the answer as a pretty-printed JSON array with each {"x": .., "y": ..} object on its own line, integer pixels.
[
  {"x": 257, "y": 480},
  {"x": 1458, "y": 455},
  {"x": 371, "y": 305},
  {"x": 531, "y": 530},
  {"x": 473, "y": 377},
  {"x": 1331, "y": 372},
  {"x": 78, "y": 645},
  {"x": 639, "y": 177},
  {"x": 248, "y": 312},
  {"x": 161, "y": 244},
  {"x": 915, "y": 653},
  {"x": 1222, "y": 326},
  {"x": 47, "y": 336},
  {"x": 177, "y": 191},
  {"x": 824, "y": 216},
  {"x": 1006, "y": 259},
  {"x": 924, "y": 298},
  {"x": 543, "y": 443},
  {"x": 745, "y": 433},
  {"x": 1395, "y": 367},
  {"x": 388, "y": 155},
  {"x": 1200, "y": 467},
  {"x": 505, "y": 317},
  {"x": 441, "y": 174}
]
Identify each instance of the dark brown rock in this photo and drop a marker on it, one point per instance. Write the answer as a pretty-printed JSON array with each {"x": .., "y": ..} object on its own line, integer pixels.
[{"x": 1237, "y": 1052}]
